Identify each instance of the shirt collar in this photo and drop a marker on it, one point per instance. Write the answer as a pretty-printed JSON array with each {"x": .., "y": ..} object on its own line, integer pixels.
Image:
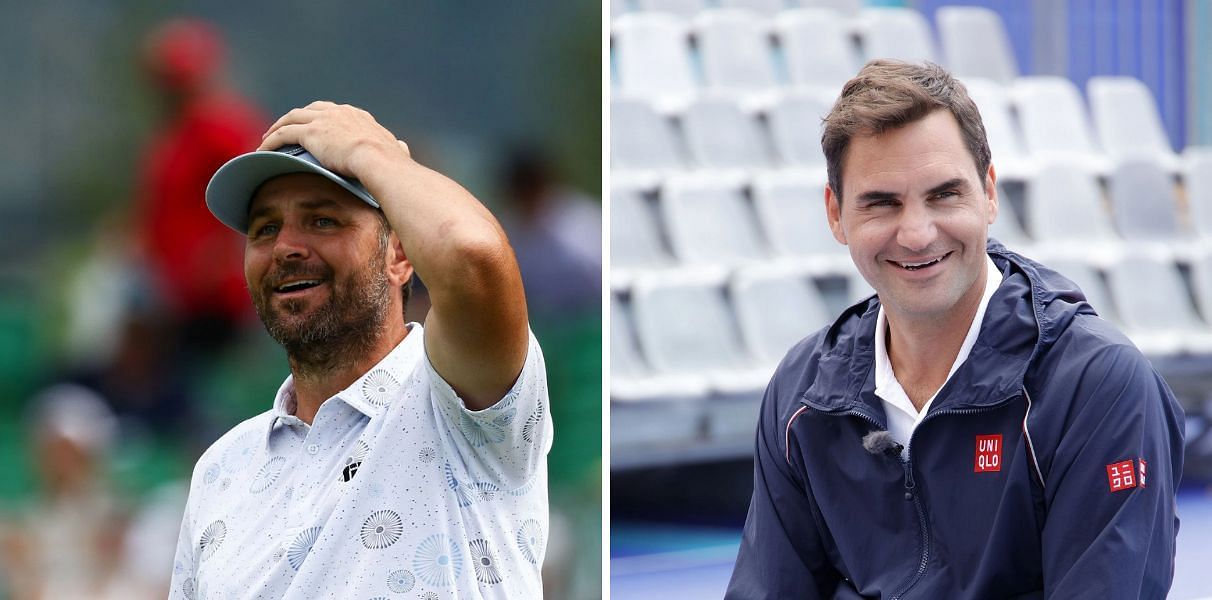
[
  {"x": 886, "y": 385},
  {"x": 397, "y": 364}
]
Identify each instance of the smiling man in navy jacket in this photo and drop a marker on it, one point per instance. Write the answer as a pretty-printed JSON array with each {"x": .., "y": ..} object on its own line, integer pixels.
[{"x": 973, "y": 431}]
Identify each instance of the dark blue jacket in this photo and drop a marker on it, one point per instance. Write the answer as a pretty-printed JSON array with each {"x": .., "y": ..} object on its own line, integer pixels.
[{"x": 1078, "y": 504}]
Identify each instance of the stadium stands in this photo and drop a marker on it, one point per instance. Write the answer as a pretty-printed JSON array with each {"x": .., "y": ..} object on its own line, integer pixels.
[{"x": 721, "y": 252}]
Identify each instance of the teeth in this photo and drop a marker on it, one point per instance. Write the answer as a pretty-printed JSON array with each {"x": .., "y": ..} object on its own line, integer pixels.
[
  {"x": 915, "y": 266},
  {"x": 298, "y": 285}
]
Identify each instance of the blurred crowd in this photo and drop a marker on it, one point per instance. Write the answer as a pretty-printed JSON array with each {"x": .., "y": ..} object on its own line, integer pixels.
[{"x": 161, "y": 352}]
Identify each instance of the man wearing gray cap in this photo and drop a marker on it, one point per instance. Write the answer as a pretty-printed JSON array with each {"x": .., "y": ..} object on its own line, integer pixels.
[{"x": 395, "y": 458}]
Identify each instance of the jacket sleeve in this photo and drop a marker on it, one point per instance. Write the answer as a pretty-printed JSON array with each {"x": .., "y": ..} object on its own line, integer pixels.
[
  {"x": 1111, "y": 523},
  {"x": 782, "y": 553}
]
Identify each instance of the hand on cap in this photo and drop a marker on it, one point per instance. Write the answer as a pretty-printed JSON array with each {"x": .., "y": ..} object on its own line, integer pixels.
[{"x": 344, "y": 138}]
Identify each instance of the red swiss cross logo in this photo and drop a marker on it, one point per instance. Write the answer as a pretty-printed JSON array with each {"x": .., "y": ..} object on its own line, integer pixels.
[
  {"x": 988, "y": 453},
  {"x": 1122, "y": 475}
]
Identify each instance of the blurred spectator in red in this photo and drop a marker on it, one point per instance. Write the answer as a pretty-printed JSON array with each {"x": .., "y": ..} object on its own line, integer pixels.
[{"x": 194, "y": 260}]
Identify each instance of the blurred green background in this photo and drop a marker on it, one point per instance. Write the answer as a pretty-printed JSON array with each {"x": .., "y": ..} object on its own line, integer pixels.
[{"x": 468, "y": 85}]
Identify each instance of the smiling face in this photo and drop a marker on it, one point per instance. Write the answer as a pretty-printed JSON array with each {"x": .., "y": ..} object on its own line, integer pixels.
[
  {"x": 915, "y": 216},
  {"x": 316, "y": 261}
]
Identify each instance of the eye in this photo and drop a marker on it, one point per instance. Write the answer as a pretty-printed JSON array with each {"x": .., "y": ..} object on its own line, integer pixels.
[
  {"x": 261, "y": 230},
  {"x": 947, "y": 194},
  {"x": 324, "y": 222}
]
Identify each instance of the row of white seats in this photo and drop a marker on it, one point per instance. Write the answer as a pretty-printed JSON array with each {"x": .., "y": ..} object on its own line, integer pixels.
[
  {"x": 689, "y": 8},
  {"x": 704, "y": 219},
  {"x": 1032, "y": 122},
  {"x": 697, "y": 333},
  {"x": 655, "y": 55}
]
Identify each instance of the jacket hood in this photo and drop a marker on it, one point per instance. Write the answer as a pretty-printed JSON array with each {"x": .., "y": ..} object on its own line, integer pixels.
[{"x": 1028, "y": 312}]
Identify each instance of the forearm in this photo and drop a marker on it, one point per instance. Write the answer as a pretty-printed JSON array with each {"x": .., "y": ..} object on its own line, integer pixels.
[{"x": 461, "y": 252}]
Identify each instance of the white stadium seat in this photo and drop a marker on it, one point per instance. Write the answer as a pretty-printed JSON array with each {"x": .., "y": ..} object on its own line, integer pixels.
[
  {"x": 846, "y": 8},
  {"x": 709, "y": 220},
  {"x": 817, "y": 48},
  {"x": 1143, "y": 203},
  {"x": 735, "y": 51},
  {"x": 992, "y": 99},
  {"x": 652, "y": 57},
  {"x": 1127, "y": 122},
  {"x": 635, "y": 233},
  {"x": 1155, "y": 305},
  {"x": 776, "y": 307},
  {"x": 685, "y": 326},
  {"x": 762, "y": 7},
  {"x": 791, "y": 208},
  {"x": 681, "y": 8},
  {"x": 1065, "y": 209},
  {"x": 1054, "y": 121},
  {"x": 900, "y": 33},
  {"x": 640, "y": 138},
  {"x": 720, "y": 134},
  {"x": 975, "y": 43},
  {"x": 795, "y": 127}
]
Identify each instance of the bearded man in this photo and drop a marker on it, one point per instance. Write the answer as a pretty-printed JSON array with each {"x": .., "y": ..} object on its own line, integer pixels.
[{"x": 395, "y": 458}]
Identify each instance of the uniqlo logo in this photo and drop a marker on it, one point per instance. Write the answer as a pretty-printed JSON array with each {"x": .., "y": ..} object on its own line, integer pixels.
[
  {"x": 1141, "y": 472},
  {"x": 988, "y": 453},
  {"x": 1121, "y": 475}
]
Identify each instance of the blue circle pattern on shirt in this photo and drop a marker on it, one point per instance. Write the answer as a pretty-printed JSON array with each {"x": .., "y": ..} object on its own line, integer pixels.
[
  {"x": 301, "y": 546},
  {"x": 236, "y": 457},
  {"x": 268, "y": 475},
  {"x": 528, "y": 430},
  {"x": 212, "y": 537},
  {"x": 401, "y": 580},
  {"x": 463, "y": 495},
  {"x": 438, "y": 560},
  {"x": 381, "y": 529},
  {"x": 379, "y": 387},
  {"x": 212, "y": 474},
  {"x": 530, "y": 540},
  {"x": 484, "y": 562},
  {"x": 480, "y": 432}
]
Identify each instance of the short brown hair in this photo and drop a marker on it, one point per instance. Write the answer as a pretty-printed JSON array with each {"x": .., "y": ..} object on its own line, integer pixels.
[{"x": 887, "y": 94}]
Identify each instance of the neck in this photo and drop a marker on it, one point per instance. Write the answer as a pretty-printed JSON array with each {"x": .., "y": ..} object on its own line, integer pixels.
[
  {"x": 922, "y": 348},
  {"x": 322, "y": 371}
]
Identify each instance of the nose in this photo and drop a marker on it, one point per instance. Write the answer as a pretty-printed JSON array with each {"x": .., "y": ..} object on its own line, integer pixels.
[
  {"x": 290, "y": 244},
  {"x": 916, "y": 230}
]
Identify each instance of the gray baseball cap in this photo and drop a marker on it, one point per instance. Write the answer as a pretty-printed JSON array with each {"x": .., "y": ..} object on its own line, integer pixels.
[{"x": 231, "y": 189}]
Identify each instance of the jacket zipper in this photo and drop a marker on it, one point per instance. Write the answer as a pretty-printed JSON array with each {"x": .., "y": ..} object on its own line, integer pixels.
[
  {"x": 910, "y": 485},
  {"x": 917, "y": 502}
]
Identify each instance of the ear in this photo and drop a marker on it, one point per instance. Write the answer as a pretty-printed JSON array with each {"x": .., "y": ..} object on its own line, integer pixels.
[
  {"x": 399, "y": 268},
  {"x": 991, "y": 193},
  {"x": 833, "y": 209}
]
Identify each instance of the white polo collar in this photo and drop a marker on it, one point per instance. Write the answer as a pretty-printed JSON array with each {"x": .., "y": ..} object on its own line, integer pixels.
[
  {"x": 399, "y": 362},
  {"x": 889, "y": 389}
]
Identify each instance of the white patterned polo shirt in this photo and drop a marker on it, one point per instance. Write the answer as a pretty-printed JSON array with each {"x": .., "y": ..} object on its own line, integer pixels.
[{"x": 396, "y": 490}]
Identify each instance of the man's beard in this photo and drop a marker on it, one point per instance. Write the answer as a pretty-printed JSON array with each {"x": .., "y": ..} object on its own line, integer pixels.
[{"x": 339, "y": 332}]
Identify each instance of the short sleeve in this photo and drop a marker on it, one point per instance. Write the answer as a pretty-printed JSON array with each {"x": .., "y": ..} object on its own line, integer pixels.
[
  {"x": 185, "y": 565},
  {"x": 506, "y": 443}
]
